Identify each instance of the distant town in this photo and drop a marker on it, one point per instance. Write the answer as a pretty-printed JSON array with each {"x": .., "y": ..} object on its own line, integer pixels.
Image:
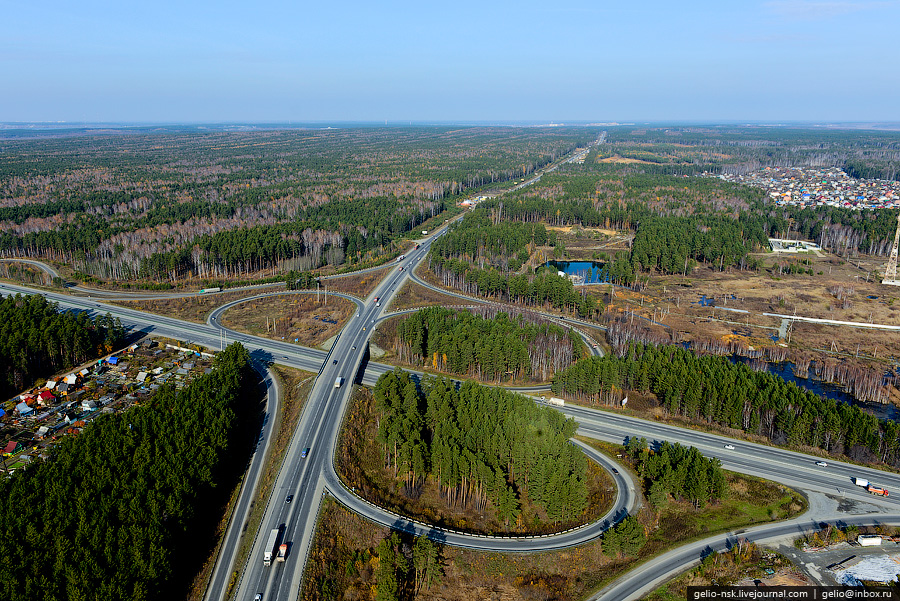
[{"x": 825, "y": 186}]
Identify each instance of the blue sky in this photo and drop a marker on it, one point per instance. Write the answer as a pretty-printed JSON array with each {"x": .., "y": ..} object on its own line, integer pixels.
[{"x": 190, "y": 61}]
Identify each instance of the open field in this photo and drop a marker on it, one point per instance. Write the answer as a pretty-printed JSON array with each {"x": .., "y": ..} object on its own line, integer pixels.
[
  {"x": 413, "y": 296},
  {"x": 622, "y": 160},
  {"x": 360, "y": 285},
  {"x": 295, "y": 317},
  {"x": 741, "y": 298},
  {"x": 727, "y": 307},
  {"x": 188, "y": 308}
]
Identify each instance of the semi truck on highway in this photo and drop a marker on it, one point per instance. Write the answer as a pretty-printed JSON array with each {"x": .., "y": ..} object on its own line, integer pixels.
[
  {"x": 555, "y": 401},
  {"x": 270, "y": 549},
  {"x": 875, "y": 490},
  {"x": 282, "y": 552},
  {"x": 208, "y": 290}
]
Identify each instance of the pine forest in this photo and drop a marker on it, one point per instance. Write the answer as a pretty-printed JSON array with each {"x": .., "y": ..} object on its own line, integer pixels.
[
  {"x": 481, "y": 445},
  {"x": 118, "y": 513},
  {"x": 487, "y": 344},
  {"x": 38, "y": 340}
]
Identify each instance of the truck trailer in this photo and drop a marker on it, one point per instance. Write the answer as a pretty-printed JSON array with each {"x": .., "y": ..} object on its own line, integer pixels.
[
  {"x": 555, "y": 401},
  {"x": 868, "y": 540},
  {"x": 271, "y": 547},
  {"x": 338, "y": 381}
]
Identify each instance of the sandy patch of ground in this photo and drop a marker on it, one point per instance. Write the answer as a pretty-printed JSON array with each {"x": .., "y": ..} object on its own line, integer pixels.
[{"x": 618, "y": 159}]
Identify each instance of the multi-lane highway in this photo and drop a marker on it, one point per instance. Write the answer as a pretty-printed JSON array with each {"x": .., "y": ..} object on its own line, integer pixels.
[
  {"x": 308, "y": 471},
  {"x": 306, "y": 478},
  {"x": 308, "y": 466}
]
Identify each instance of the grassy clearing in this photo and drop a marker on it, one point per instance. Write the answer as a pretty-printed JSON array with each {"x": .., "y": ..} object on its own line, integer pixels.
[
  {"x": 304, "y": 318},
  {"x": 414, "y": 296},
  {"x": 360, "y": 285},
  {"x": 187, "y": 308}
]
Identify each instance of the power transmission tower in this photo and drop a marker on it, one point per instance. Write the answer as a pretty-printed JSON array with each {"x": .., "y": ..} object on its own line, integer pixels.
[{"x": 890, "y": 272}]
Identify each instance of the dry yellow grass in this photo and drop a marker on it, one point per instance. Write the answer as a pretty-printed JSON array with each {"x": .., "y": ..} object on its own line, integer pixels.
[{"x": 300, "y": 317}]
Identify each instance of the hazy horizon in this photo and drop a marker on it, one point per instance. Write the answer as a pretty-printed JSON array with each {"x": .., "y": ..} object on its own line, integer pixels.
[{"x": 780, "y": 61}]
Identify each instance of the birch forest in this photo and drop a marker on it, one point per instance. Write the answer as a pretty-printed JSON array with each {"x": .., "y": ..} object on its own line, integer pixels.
[{"x": 184, "y": 202}]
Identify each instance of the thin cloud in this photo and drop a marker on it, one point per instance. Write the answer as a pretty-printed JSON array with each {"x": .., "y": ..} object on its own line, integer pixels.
[{"x": 819, "y": 9}]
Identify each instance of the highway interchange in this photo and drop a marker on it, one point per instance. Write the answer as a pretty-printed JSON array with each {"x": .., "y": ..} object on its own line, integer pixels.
[{"x": 308, "y": 476}]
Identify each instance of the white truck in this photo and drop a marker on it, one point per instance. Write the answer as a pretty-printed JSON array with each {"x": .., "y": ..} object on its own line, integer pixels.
[
  {"x": 555, "y": 401},
  {"x": 872, "y": 488},
  {"x": 270, "y": 549},
  {"x": 338, "y": 381}
]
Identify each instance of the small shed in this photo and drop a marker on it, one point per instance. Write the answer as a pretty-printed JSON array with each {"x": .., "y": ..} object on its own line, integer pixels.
[
  {"x": 88, "y": 405},
  {"x": 71, "y": 379},
  {"x": 142, "y": 375},
  {"x": 42, "y": 432},
  {"x": 24, "y": 409},
  {"x": 50, "y": 385},
  {"x": 11, "y": 447},
  {"x": 112, "y": 360}
]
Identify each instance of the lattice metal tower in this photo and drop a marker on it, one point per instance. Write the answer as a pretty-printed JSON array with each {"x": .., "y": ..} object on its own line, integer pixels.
[{"x": 890, "y": 272}]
